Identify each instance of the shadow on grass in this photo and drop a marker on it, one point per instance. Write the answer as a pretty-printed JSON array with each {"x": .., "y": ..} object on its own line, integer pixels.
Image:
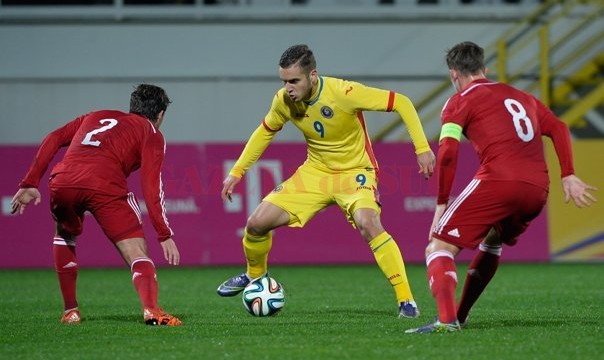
[{"x": 122, "y": 318}]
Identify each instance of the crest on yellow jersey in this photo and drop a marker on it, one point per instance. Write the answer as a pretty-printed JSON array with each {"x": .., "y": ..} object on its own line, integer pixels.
[{"x": 327, "y": 112}]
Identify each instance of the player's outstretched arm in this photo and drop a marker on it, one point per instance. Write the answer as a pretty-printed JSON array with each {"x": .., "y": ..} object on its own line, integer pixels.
[
  {"x": 23, "y": 197},
  {"x": 576, "y": 189},
  {"x": 171, "y": 253},
  {"x": 228, "y": 187}
]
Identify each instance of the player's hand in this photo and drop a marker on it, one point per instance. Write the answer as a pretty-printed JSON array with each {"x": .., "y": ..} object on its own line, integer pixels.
[
  {"x": 228, "y": 185},
  {"x": 426, "y": 161},
  {"x": 577, "y": 190},
  {"x": 23, "y": 197},
  {"x": 438, "y": 213},
  {"x": 171, "y": 253}
]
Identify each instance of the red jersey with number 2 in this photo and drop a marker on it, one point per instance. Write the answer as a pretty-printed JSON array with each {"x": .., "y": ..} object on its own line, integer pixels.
[{"x": 105, "y": 147}]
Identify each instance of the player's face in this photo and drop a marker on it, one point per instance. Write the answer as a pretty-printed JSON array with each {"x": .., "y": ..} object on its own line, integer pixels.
[{"x": 298, "y": 84}]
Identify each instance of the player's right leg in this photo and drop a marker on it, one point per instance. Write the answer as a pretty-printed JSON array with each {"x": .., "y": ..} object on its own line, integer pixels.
[
  {"x": 480, "y": 272},
  {"x": 119, "y": 217},
  {"x": 257, "y": 242},
  {"x": 293, "y": 203},
  {"x": 144, "y": 278}
]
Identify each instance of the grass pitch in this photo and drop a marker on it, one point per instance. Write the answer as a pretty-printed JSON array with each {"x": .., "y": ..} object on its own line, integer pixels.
[{"x": 530, "y": 311}]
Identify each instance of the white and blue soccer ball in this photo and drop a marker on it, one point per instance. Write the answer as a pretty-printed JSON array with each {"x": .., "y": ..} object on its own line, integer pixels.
[{"x": 263, "y": 296}]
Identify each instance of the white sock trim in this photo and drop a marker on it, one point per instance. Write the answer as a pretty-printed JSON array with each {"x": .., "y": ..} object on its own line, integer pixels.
[
  {"x": 438, "y": 253},
  {"x": 140, "y": 259},
  {"x": 60, "y": 241},
  {"x": 490, "y": 249}
]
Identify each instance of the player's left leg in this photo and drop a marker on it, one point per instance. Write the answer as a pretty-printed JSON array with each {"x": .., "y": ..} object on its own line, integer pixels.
[
  {"x": 356, "y": 194},
  {"x": 388, "y": 257},
  {"x": 66, "y": 266},
  {"x": 520, "y": 203},
  {"x": 480, "y": 272},
  {"x": 442, "y": 276},
  {"x": 68, "y": 221}
]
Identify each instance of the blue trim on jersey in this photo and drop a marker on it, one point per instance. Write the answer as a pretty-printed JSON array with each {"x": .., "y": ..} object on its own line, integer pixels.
[{"x": 313, "y": 101}]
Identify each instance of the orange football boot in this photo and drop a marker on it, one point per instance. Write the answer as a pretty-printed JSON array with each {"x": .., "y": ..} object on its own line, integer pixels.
[{"x": 160, "y": 317}]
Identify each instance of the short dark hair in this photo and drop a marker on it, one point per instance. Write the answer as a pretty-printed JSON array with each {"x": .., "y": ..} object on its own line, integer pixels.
[
  {"x": 148, "y": 101},
  {"x": 466, "y": 57},
  {"x": 298, "y": 54}
]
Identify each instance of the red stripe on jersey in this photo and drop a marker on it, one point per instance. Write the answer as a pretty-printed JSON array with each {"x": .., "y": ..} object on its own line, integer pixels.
[
  {"x": 390, "y": 101},
  {"x": 268, "y": 128},
  {"x": 368, "y": 147}
]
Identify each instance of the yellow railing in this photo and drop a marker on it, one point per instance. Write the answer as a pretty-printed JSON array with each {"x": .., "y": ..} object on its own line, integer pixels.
[
  {"x": 439, "y": 90},
  {"x": 563, "y": 64},
  {"x": 540, "y": 63},
  {"x": 533, "y": 29},
  {"x": 575, "y": 114},
  {"x": 507, "y": 49}
]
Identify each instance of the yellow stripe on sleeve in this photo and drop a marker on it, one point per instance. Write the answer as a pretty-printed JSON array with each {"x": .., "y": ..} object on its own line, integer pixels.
[{"x": 451, "y": 130}]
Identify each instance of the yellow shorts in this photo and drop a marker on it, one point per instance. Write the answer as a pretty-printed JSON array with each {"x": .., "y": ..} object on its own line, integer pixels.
[{"x": 310, "y": 190}]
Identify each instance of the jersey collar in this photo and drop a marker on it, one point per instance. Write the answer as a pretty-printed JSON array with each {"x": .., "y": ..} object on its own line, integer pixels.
[{"x": 313, "y": 100}]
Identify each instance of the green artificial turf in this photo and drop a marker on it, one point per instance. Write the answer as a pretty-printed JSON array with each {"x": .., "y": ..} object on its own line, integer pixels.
[{"x": 530, "y": 311}]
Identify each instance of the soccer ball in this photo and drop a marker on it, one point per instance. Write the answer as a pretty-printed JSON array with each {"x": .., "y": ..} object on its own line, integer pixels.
[{"x": 263, "y": 296}]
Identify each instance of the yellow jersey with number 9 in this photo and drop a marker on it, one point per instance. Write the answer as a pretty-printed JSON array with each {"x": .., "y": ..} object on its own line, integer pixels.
[
  {"x": 332, "y": 122},
  {"x": 333, "y": 125}
]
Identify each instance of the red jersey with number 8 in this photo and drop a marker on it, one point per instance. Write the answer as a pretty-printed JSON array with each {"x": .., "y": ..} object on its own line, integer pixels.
[{"x": 505, "y": 127}]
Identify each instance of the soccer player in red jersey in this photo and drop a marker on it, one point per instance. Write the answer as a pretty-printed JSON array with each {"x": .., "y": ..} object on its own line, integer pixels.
[
  {"x": 104, "y": 148},
  {"x": 505, "y": 126}
]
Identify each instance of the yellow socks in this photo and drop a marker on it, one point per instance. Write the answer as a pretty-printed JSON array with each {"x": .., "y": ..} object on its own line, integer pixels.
[
  {"x": 256, "y": 248},
  {"x": 390, "y": 261}
]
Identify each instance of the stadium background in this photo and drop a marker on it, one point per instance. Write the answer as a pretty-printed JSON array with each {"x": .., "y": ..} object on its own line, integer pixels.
[{"x": 219, "y": 65}]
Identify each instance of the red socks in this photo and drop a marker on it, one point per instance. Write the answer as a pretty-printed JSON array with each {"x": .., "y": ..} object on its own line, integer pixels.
[
  {"x": 143, "y": 275},
  {"x": 67, "y": 270},
  {"x": 442, "y": 277},
  {"x": 480, "y": 272},
  {"x": 145, "y": 281}
]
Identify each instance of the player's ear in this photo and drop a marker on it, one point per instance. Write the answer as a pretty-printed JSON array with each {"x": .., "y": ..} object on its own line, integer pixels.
[
  {"x": 453, "y": 74},
  {"x": 313, "y": 75},
  {"x": 160, "y": 118}
]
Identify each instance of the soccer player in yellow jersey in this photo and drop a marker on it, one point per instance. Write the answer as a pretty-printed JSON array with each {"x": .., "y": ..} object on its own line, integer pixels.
[{"x": 340, "y": 169}]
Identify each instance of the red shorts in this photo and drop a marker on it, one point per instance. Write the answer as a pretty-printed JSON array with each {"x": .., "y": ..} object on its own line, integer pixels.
[
  {"x": 118, "y": 216},
  {"x": 507, "y": 206}
]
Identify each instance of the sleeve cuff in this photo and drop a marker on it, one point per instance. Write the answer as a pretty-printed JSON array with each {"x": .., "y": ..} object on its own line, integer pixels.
[{"x": 237, "y": 172}]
